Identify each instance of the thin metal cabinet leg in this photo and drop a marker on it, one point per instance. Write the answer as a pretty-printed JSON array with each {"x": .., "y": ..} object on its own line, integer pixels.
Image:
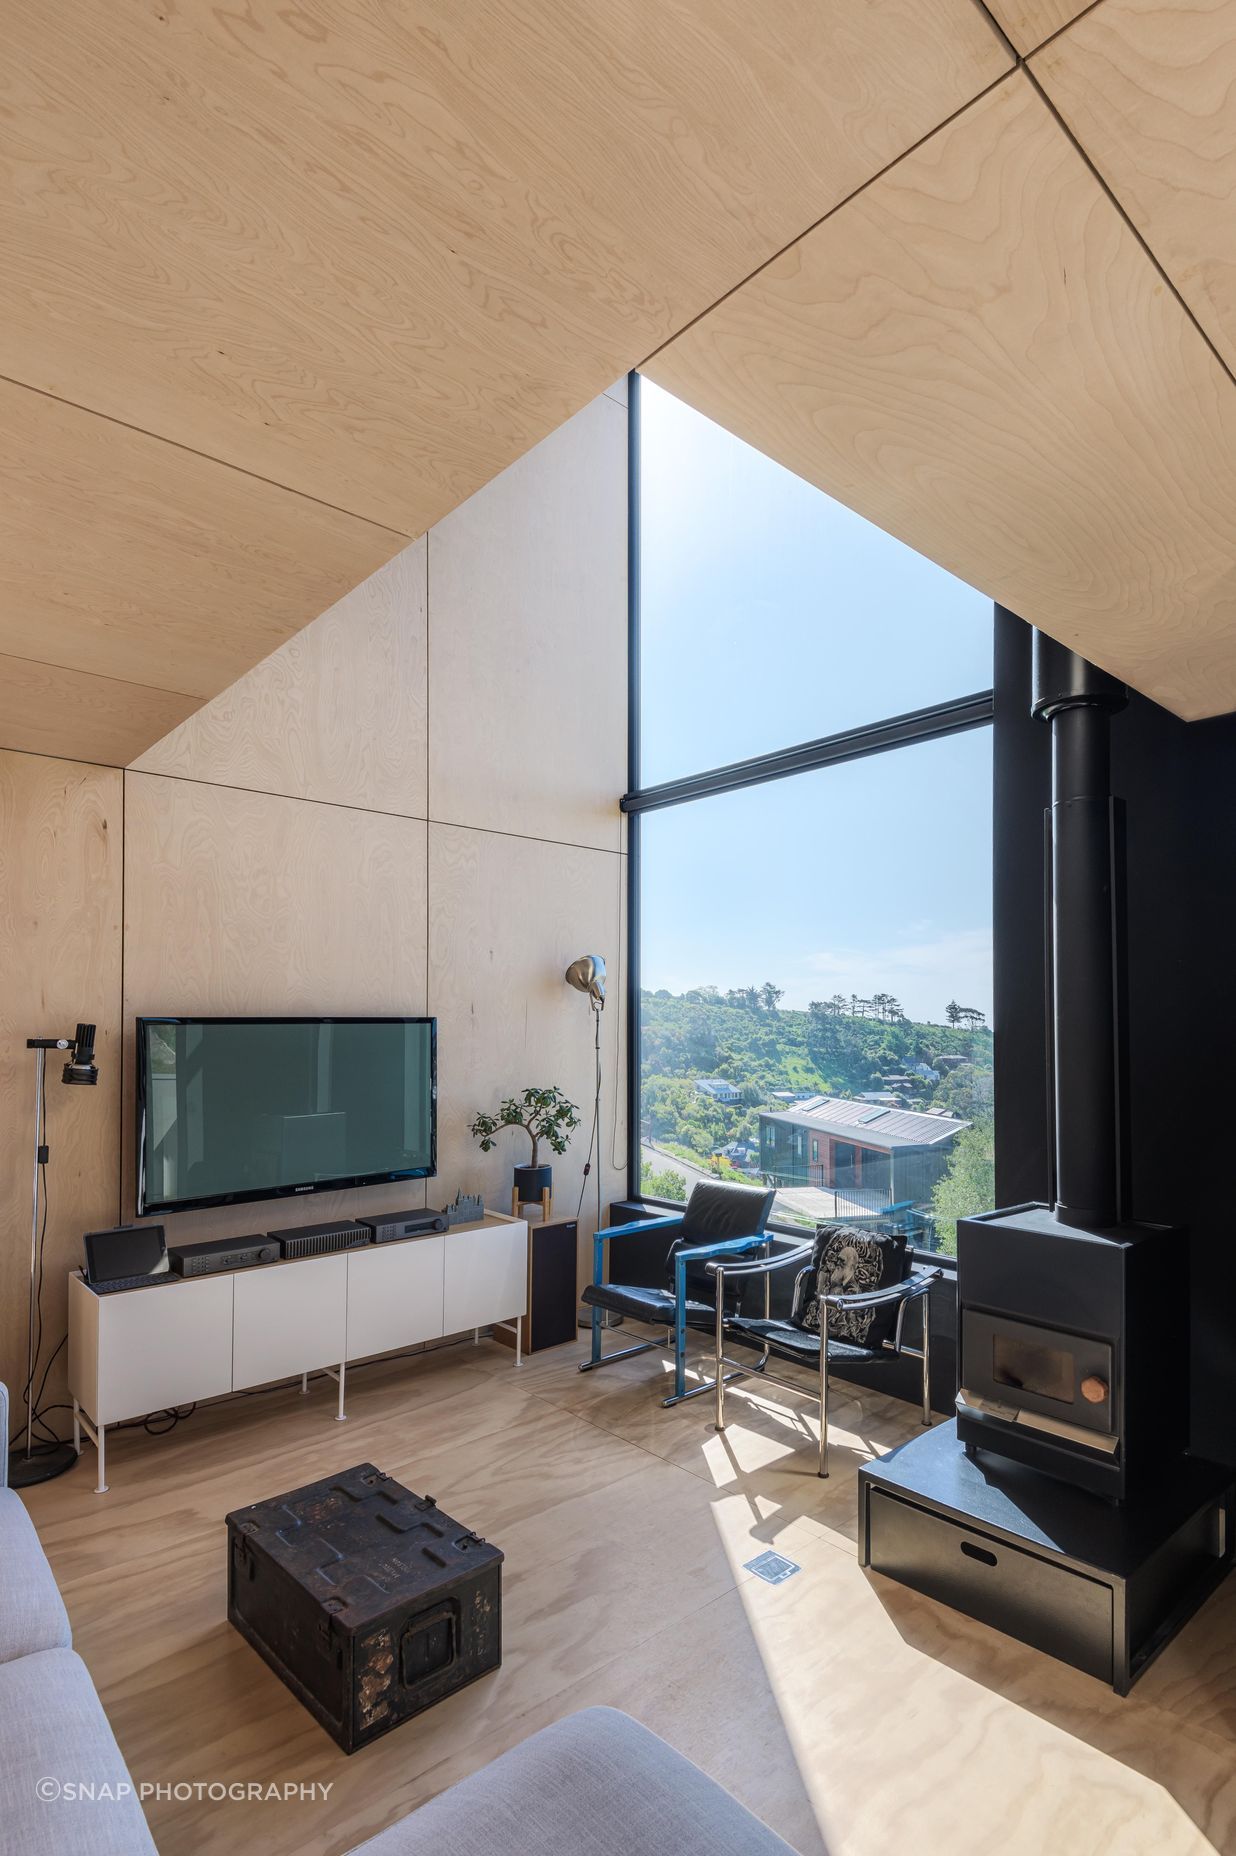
[
  {"x": 823, "y": 1469},
  {"x": 926, "y": 1300},
  {"x": 519, "y": 1340},
  {"x": 720, "y": 1347},
  {"x": 304, "y": 1383},
  {"x": 100, "y": 1487},
  {"x": 77, "y": 1428},
  {"x": 341, "y": 1414}
]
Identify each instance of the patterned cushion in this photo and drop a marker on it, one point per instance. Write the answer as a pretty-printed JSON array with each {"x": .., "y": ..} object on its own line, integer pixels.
[{"x": 847, "y": 1261}]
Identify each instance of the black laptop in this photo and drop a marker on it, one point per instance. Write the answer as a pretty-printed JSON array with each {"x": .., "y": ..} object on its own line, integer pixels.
[{"x": 130, "y": 1256}]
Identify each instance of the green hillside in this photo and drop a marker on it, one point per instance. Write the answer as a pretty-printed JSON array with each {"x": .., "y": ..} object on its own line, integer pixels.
[{"x": 839, "y": 1047}]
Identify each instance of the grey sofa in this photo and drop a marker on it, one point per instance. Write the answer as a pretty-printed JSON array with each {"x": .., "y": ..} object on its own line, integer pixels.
[{"x": 595, "y": 1784}]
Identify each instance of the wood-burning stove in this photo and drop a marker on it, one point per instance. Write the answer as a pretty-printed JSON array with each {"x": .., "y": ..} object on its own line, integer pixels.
[
  {"x": 1062, "y": 1504},
  {"x": 1073, "y": 1347},
  {"x": 1073, "y": 1336}
]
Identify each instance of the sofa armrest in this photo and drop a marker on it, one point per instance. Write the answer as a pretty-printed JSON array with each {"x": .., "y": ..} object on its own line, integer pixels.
[{"x": 595, "y": 1782}]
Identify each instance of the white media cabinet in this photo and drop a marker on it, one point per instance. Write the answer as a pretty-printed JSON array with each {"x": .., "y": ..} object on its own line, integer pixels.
[{"x": 147, "y": 1350}]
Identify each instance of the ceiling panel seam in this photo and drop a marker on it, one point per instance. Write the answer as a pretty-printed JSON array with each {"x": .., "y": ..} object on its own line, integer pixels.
[
  {"x": 208, "y": 457},
  {"x": 831, "y": 213}
]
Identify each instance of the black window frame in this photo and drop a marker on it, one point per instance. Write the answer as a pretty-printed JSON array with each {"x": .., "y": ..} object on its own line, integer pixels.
[{"x": 958, "y": 715}]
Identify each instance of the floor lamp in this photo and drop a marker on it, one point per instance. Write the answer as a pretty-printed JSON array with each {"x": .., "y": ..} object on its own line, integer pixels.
[
  {"x": 587, "y": 975},
  {"x": 42, "y": 1461}
]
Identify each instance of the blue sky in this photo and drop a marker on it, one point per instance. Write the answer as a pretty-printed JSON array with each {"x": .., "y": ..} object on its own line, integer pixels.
[{"x": 771, "y": 615}]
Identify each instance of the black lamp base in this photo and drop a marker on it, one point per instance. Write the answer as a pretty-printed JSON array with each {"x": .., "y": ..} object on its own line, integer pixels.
[{"x": 25, "y": 1472}]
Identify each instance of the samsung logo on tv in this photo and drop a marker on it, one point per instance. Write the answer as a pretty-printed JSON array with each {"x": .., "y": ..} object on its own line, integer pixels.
[{"x": 304, "y": 1188}]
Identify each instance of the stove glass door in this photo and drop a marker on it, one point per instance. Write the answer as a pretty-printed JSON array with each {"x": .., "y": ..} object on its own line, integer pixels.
[{"x": 1032, "y": 1369}]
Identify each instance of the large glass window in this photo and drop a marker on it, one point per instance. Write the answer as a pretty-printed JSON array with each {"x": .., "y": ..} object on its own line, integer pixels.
[
  {"x": 770, "y": 614},
  {"x": 814, "y": 951}
]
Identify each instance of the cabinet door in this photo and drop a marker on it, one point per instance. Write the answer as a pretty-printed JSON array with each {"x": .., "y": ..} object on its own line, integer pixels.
[
  {"x": 394, "y": 1295},
  {"x": 162, "y": 1347},
  {"x": 290, "y": 1318},
  {"x": 486, "y": 1276}
]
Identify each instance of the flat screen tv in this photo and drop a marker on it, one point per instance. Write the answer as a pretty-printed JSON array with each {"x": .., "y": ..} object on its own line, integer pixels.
[{"x": 231, "y": 1109}]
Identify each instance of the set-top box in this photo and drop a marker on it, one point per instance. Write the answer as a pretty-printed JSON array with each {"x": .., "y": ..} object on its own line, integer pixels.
[
  {"x": 214, "y": 1254},
  {"x": 392, "y": 1226},
  {"x": 317, "y": 1240}
]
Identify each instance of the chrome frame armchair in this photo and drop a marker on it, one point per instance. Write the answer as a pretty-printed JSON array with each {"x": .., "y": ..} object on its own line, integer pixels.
[
  {"x": 676, "y": 1338},
  {"x": 914, "y": 1287}
]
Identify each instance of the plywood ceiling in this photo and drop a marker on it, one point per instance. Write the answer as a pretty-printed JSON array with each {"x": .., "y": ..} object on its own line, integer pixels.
[
  {"x": 125, "y": 561},
  {"x": 1150, "y": 90},
  {"x": 978, "y": 354},
  {"x": 280, "y": 287},
  {"x": 368, "y": 255},
  {"x": 1029, "y": 22}
]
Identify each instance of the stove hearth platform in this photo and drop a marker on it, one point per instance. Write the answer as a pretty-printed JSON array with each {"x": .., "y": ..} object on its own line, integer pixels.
[{"x": 1101, "y": 1586}]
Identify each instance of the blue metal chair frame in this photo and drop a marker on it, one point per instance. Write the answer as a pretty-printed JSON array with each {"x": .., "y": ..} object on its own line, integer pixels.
[{"x": 697, "y": 1253}]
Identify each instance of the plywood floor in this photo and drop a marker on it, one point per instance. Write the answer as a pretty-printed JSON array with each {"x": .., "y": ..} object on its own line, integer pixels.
[{"x": 841, "y": 1708}]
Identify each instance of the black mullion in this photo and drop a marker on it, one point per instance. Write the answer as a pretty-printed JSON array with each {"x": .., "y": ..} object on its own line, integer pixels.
[
  {"x": 898, "y": 731},
  {"x": 632, "y": 1003}
]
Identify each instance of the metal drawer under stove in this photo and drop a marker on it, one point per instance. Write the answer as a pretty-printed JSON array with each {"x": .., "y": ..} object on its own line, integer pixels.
[{"x": 1098, "y": 1585}]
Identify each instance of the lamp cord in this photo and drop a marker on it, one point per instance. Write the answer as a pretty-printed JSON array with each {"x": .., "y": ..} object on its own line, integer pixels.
[{"x": 594, "y": 1139}]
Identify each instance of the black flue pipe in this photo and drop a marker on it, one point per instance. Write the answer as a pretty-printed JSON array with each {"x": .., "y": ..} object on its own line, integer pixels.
[{"x": 1089, "y": 1110}]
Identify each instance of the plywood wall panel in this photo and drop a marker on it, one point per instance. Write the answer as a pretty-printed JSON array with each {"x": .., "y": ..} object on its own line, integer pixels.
[
  {"x": 339, "y": 713},
  {"x": 45, "y": 708},
  {"x": 506, "y": 917},
  {"x": 527, "y": 660},
  {"x": 977, "y": 354},
  {"x": 246, "y": 903},
  {"x": 60, "y": 905},
  {"x": 1149, "y": 88},
  {"x": 373, "y": 253}
]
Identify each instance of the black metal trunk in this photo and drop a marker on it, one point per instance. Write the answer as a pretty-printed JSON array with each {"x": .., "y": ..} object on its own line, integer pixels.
[{"x": 367, "y": 1600}]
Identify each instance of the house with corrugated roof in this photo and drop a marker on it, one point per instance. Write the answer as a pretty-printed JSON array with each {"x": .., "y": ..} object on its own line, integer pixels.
[{"x": 829, "y": 1141}]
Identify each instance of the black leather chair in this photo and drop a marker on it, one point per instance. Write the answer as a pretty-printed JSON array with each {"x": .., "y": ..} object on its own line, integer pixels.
[
  {"x": 718, "y": 1222},
  {"x": 817, "y": 1347}
]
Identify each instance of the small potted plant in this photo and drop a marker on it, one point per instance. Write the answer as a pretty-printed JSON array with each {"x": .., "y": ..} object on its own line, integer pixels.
[{"x": 547, "y": 1118}]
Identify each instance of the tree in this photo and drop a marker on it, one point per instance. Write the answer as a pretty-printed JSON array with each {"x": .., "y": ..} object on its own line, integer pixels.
[
  {"x": 969, "y": 1186},
  {"x": 771, "y": 996},
  {"x": 952, "y": 1012},
  {"x": 666, "y": 1185},
  {"x": 966, "y": 1091},
  {"x": 543, "y": 1114}
]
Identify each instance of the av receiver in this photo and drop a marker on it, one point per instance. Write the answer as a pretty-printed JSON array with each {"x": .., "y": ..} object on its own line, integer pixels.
[
  {"x": 392, "y": 1226},
  {"x": 317, "y": 1240},
  {"x": 221, "y": 1253}
]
